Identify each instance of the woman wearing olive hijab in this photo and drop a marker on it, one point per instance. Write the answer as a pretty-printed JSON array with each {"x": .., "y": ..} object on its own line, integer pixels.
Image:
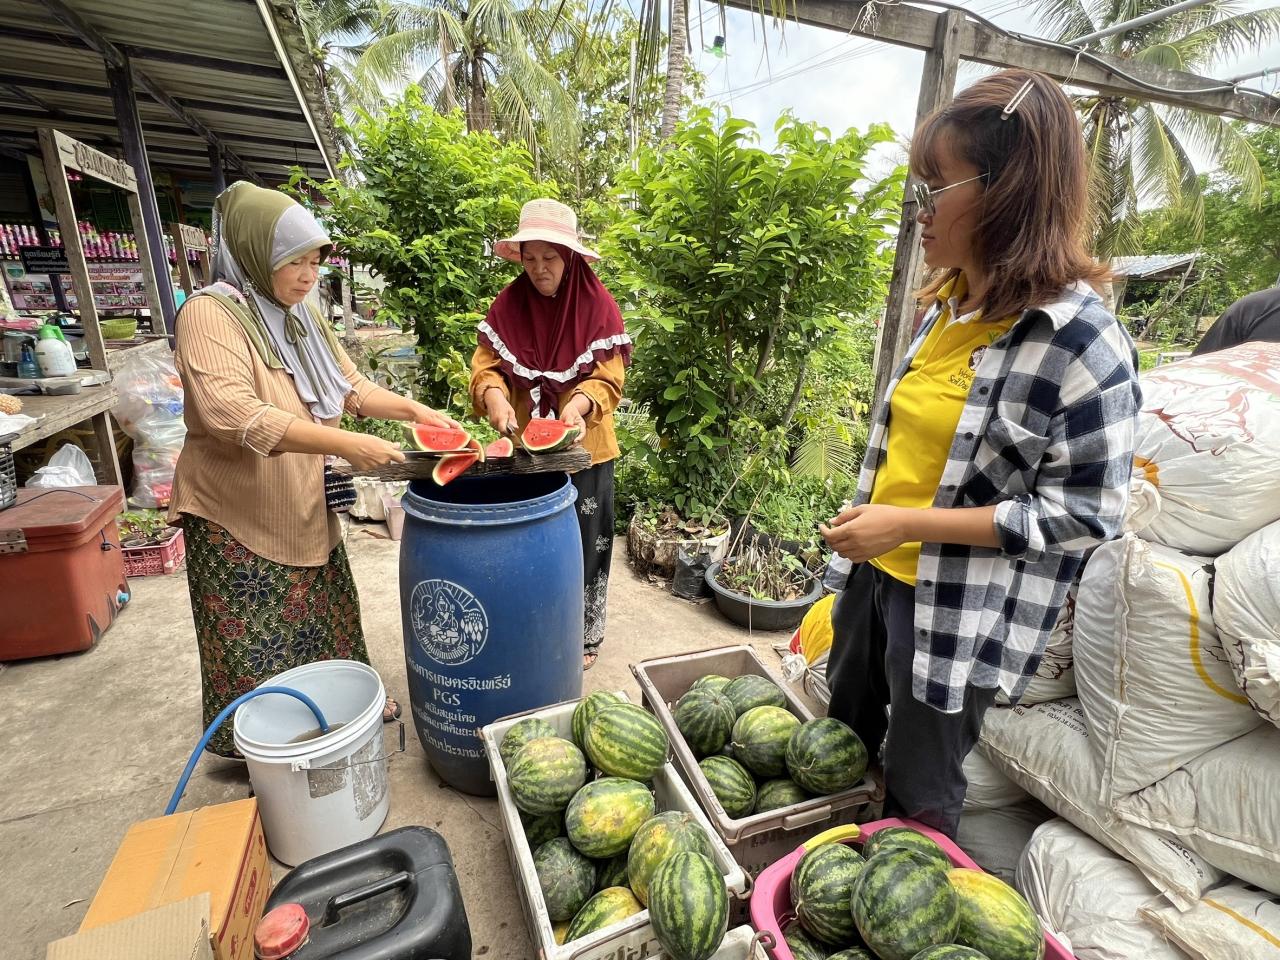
[{"x": 266, "y": 384}]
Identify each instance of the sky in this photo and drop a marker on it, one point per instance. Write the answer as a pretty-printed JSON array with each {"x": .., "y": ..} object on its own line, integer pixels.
[{"x": 842, "y": 81}]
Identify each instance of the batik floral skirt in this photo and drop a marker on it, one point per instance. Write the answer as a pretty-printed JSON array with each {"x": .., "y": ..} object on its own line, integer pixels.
[
  {"x": 595, "y": 524},
  {"x": 256, "y": 618}
]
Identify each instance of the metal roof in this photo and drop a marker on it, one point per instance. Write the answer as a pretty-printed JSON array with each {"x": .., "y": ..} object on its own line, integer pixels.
[
  {"x": 1135, "y": 268},
  {"x": 239, "y": 67}
]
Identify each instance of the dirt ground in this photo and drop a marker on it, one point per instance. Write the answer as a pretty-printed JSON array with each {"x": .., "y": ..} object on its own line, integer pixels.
[{"x": 92, "y": 742}]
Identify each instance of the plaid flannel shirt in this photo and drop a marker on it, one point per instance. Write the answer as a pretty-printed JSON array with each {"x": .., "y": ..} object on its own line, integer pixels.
[{"x": 1047, "y": 437}]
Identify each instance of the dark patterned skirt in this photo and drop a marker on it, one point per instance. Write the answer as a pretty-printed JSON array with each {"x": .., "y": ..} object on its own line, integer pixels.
[
  {"x": 256, "y": 618},
  {"x": 595, "y": 524}
]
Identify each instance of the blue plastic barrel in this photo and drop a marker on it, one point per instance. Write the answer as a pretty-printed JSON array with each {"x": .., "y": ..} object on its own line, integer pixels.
[{"x": 491, "y": 602}]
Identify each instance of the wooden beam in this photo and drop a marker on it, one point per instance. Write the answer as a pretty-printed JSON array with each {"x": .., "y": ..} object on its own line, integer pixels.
[
  {"x": 937, "y": 85},
  {"x": 914, "y": 27}
]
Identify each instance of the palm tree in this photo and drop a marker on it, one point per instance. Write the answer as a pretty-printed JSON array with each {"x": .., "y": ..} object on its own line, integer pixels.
[
  {"x": 1140, "y": 152},
  {"x": 338, "y": 32},
  {"x": 676, "y": 48}
]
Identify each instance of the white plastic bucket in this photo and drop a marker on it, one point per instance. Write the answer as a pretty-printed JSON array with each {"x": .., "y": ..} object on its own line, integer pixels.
[{"x": 323, "y": 792}]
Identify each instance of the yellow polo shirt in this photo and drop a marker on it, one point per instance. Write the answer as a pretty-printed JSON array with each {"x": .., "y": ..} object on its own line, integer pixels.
[{"x": 923, "y": 413}]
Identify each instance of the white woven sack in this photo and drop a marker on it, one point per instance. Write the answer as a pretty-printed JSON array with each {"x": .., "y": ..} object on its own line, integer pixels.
[
  {"x": 1044, "y": 748},
  {"x": 1150, "y": 671},
  {"x": 1233, "y": 922},
  {"x": 1246, "y": 608},
  {"x": 1090, "y": 898},
  {"x": 1208, "y": 438},
  {"x": 989, "y": 788},
  {"x": 1055, "y": 677},
  {"x": 1224, "y": 805}
]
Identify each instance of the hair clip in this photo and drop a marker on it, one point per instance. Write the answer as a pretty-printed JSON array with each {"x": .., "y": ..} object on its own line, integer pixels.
[{"x": 1016, "y": 101}]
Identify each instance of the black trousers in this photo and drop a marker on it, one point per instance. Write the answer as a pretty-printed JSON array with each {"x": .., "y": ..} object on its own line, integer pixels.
[
  {"x": 869, "y": 668},
  {"x": 595, "y": 524}
]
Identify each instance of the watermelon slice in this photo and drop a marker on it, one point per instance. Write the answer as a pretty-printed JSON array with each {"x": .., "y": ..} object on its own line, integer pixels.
[
  {"x": 435, "y": 439},
  {"x": 500, "y": 448},
  {"x": 475, "y": 445},
  {"x": 453, "y": 466},
  {"x": 548, "y": 436}
]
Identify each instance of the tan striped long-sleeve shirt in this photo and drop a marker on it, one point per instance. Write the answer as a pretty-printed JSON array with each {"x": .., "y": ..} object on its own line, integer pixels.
[{"x": 237, "y": 411}]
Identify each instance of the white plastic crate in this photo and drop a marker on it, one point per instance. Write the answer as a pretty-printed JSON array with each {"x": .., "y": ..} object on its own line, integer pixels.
[{"x": 633, "y": 938}]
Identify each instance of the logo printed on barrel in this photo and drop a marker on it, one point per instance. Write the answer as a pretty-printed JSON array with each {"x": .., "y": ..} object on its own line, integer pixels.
[{"x": 448, "y": 622}]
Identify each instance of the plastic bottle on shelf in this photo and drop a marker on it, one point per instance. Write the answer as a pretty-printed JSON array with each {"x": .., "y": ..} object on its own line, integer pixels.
[{"x": 54, "y": 353}]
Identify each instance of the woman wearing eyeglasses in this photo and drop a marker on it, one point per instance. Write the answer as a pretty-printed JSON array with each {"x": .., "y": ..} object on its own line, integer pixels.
[{"x": 1001, "y": 453}]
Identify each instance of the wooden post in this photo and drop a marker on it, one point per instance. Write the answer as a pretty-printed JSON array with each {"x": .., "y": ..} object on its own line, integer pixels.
[
  {"x": 937, "y": 85},
  {"x": 187, "y": 240}
]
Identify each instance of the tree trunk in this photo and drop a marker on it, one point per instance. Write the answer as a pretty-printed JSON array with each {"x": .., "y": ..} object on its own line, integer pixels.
[
  {"x": 676, "y": 49},
  {"x": 478, "y": 117}
]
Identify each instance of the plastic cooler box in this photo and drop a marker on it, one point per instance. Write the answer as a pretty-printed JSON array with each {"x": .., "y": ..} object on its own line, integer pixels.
[
  {"x": 771, "y": 898},
  {"x": 757, "y": 840},
  {"x": 61, "y": 570},
  {"x": 629, "y": 938}
]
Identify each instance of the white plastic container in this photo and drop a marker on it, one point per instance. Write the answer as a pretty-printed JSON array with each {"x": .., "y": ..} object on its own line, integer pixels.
[
  {"x": 54, "y": 354},
  {"x": 317, "y": 792},
  {"x": 632, "y": 938}
]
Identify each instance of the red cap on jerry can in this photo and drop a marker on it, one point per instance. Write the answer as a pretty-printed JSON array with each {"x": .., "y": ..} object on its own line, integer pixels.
[{"x": 281, "y": 932}]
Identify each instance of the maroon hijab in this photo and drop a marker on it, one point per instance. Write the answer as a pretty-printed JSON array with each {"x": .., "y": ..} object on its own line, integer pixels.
[{"x": 548, "y": 344}]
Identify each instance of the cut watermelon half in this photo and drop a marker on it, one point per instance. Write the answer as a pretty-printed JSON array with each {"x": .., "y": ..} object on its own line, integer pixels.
[
  {"x": 474, "y": 445},
  {"x": 435, "y": 439},
  {"x": 548, "y": 436},
  {"x": 453, "y": 466},
  {"x": 500, "y": 449}
]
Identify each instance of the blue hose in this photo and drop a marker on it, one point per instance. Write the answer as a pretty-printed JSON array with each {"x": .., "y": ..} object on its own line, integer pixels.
[{"x": 217, "y": 722}]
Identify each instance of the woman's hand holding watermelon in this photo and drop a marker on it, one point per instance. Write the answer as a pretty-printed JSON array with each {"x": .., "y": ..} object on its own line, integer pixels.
[
  {"x": 578, "y": 407},
  {"x": 421, "y": 413},
  {"x": 365, "y": 452}
]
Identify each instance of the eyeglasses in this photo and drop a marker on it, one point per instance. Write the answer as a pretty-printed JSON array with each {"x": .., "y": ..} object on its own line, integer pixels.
[{"x": 925, "y": 196}]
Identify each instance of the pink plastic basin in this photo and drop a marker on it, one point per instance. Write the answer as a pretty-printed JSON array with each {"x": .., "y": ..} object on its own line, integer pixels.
[{"x": 771, "y": 895}]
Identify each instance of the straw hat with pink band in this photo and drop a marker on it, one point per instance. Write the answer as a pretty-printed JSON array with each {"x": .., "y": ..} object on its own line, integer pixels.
[{"x": 547, "y": 220}]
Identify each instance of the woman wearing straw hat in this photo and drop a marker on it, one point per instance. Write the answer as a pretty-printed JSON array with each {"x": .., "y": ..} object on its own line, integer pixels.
[
  {"x": 553, "y": 345},
  {"x": 266, "y": 383}
]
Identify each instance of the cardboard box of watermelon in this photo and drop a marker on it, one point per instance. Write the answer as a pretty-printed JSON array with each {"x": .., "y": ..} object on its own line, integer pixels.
[
  {"x": 612, "y": 855},
  {"x": 893, "y": 890}
]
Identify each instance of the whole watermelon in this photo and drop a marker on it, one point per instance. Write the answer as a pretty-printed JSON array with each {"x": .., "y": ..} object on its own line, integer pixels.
[
  {"x": 606, "y": 908},
  {"x": 624, "y": 740},
  {"x": 605, "y": 814},
  {"x": 826, "y": 756},
  {"x": 821, "y": 889},
  {"x": 994, "y": 918},
  {"x": 539, "y": 829},
  {"x": 586, "y": 709},
  {"x": 545, "y": 774},
  {"x": 903, "y": 902},
  {"x": 661, "y": 837},
  {"x": 566, "y": 877},
  {"x": 853, "y": 953},
  {"x": 752, "y": 690},
  {"x": 732, "y": 785},
  {"x": 559, "y": 930},
  {"x": 521, "y": 732},
  {"x": 689, "y": 906},
  {"x": 760, "y": 738},
  {"x": 611, "y": 872},
  {"x": 712, "y": 681},
  {"x": 947, "y": 951},
  {"x": 774, "y": 794},
  {"x": 705, "y": 720},
  {"x": 801, "y": 945},
  {"x": 904, "y": 838}
]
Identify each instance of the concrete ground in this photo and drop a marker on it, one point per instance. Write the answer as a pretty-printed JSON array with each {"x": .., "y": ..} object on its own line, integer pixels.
[{"x": 92, "y": 742}]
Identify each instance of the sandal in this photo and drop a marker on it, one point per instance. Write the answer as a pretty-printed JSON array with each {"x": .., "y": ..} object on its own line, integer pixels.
[
  {"x": 391, "y": 711},
  {"x": 589, "y": 659}
]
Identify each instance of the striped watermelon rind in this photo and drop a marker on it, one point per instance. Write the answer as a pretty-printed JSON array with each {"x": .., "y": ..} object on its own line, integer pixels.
[
  {"x": 752, "y": 690},
  {"x": 521, "y": 732},
  {"x": 712, "y": 681},
  {"x": 558, "y": 932},
  {"x": 995, "y": 919},
  {"x": 821, "y": 889},
  {"x": 624, "y": 740},
  {"x": 853, "y": 953},
  {"x": 662, "y": 837},
  {"x": 732, "y": 785},
  {"x": 605, "y": 814},
  {"x": 586, "y": 709},
  {"x": 545, "y": 774},
  {"x": 801, "y": 945},
  {"x": 705, "y": 720},
  {"x": 611, "y": 872},
  {"x": 903, "y": 902},
  {"x": 775, "y": 794},
  {"x": 825, "y": 756},
  {"x": 760, "y": 738},
  {"x": 566, "y": 877},
  {"x": 946, "y": 951},
  {"x": 689, "y": 906},
  {"x": 541, "y": 828},
  {"x": 904, "y": 838},
  {"x": 609, "y": 906}
]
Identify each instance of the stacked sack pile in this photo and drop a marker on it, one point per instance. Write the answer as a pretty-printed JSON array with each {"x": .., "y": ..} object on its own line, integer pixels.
[{"x": 1151, "y": 727}]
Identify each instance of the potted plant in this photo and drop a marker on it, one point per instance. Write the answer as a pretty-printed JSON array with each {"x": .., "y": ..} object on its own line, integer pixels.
[
  {"x": 762, "y": 586},
  {"x": 150, "y": 546}
]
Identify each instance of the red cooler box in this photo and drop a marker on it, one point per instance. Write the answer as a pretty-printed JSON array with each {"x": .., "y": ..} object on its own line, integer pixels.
[{"x": 61, "y": 570}]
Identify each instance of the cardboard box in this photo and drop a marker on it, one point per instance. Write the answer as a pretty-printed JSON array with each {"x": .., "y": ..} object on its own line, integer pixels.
[
  {"x": 217, "y": 850},
  {"x": 177, "y": 931}
]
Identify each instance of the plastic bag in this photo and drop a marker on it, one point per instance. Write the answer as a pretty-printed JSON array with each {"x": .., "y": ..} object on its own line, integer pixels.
[
  {"x": 69, "y": 467},
  {"x": 150, "y": 411},
  {"x": 690, "y": 580}
]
